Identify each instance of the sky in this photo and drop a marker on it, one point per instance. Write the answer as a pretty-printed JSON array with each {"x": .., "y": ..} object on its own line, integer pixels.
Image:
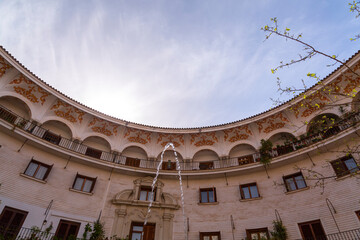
[{"x": 174, "y": 63}]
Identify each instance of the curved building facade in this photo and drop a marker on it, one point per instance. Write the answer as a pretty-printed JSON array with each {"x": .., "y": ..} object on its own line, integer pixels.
[{"x": 64, "y": 165}]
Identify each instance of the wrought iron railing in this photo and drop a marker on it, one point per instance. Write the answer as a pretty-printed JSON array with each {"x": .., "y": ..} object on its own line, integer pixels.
[
  {"x": 353, "y": 234},
  {"x": 76, "y": 146},
  {"x": 16, "y": 233}
]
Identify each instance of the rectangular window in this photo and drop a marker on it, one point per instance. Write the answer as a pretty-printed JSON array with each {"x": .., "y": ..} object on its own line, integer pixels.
[
  {"x": 312, "y": 230},
  {"x": 249, "y": 191},
  {"x": 146, "y": 194},
  {"x": 11, "y": 220},
  {"x": 51, "y": 137},
  {"x": 358, "y": 214},
  {"x": 37, "y": 170},
  {"x": 67, "y": 229},
  {"x": 210, "y": 236},
  {"x": 134, "y": 162},
  {"x": 207, "y": 195},
  {"x": 140, "y": 232},
  {"x": 257, "y": 234},
  {"x": 92, "y": 152},
  {"x": 83, "y": 183},
  {"x": 345, "y": 166},
  {"x": 206, "y": 165},
  {"x": 294, "y": 182}
]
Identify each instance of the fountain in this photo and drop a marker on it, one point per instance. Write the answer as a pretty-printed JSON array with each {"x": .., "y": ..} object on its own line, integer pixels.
[{"x": 180, "y": 180}]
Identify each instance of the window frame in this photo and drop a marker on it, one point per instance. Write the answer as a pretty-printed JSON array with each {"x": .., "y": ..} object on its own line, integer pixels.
[
  {"x": 83, "y": 184},
  {"x": 292, "y": 176},
  {"x": 210, "y": 234},
  {"x": 13, "y": 211},
  {"x": 311, "y": 228},
  {"x": 49, "y": 167},
  {"x": 358, "y": 214},
  {"x": 248, "y": 185},
  {"x": 69, "y": 223},
  {"x": 258, "y": 231},
  {"x": 342, "y": 169},
  {"x": 148, "y": 190},
  {"x": 213, "y": 189}
]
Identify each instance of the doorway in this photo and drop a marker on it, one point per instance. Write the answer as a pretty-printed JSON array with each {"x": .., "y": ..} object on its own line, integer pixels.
[{"x": 140, "y": 232}]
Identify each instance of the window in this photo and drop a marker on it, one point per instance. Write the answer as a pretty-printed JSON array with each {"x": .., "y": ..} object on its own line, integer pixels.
[
  {"x": 67, "y": 229},
  {"x": 207, "y": 195},
  {"x": 92, "y": 152},
  {"x": 358, "y": 214},
  {"x": 51, "y": 137},
  {"x": 210, "y": 236},
  {"x": 257, "y": 234},
  {"x": 294, "y": 182},
  {"x": 134, "y": 162},
  {"x": 140, "y": 232},
  {"x": 312, "y": 230},
  {"x": 37, "y": 170},
  {"x": 248, "y": 191},
  {"x": 83, "y": 183},
  {"x": 11, "y": 220},
  {"x": 146, "y": 194},
  {"x": 345, "y": 166},
  {"x": 206, "y": 165}
]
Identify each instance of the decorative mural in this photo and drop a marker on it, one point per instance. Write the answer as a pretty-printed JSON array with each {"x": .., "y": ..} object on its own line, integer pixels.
[
  {"x": 68, "y": 112},
  {"x": 203, "y": 139},
  {"x": 176, "y": 139},
  {"x": 3, "y": 66},
  {"x": 138, "y": 136},
  {"x": 310, "y": 104},
  {"x": 237, "y": 133},
  {"x": 29, "y": 89},
  {"x": 102, "y": 126},
  {"x": 272, "y": 123}
]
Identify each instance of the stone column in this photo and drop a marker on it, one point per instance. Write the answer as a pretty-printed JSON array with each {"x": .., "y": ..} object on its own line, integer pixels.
[
  {"x": 119, "y": 223},
  {"x": 167, "y": 226}
]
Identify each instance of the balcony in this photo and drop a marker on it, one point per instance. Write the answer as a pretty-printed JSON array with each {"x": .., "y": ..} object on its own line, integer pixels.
[{"x": 75, "y": 146}]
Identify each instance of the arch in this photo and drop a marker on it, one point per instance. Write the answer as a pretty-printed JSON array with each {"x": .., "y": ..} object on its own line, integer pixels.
[
  {"x": 59, "y": 128},
  {"x": 134, "y": 152},
  {"x": 241, "y": 150},
  {"x": 282, "y": 138},
  {"x": 321, "y": 122},
  {"x": 205, "y": 155},
  {"x": 16, "y": 105},
  {"x": 98, "y": 143}
]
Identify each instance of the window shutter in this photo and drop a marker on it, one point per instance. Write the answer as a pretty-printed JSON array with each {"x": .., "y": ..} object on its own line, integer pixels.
[
  {"x": 241, "y": 192},
  {"x": 286, "y": 186},
  {"x": 48, "y": 171},
  {"x": 214, "y": 189},
  {"x": 77, "y": 174},
  {"x": 93, "y": 184},
  {"x": 199, "y": 195}
]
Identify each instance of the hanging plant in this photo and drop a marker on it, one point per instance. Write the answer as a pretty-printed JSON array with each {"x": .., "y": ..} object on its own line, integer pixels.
[
  {"x": 98, "y": 231},
  {"x": 279, "y": 231},
  {"x": 265, "y": 149}
]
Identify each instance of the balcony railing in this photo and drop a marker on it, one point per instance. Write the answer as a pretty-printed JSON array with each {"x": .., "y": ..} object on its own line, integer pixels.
[
  {"x": 76, "y": 146},
  {"x": 16, "y": 233},
  {"x": 346, "y": 235}
]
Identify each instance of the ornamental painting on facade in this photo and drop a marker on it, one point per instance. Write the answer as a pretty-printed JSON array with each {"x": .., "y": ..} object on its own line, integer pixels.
[
  {"x": 272, "y": 123},
  {"x": 165, "y": 138},
  {"x": 3, "y": 66},
  {"x": 137, "y": 136},
  {"x": 104, "y": 127},
  {"x": 237, "y": 133},
  {"x": 203, "y": 139},
  {"x": 68, "y": 112},
  {"x": 29, "y": 89},
  {"x": 310, "y": 104}
]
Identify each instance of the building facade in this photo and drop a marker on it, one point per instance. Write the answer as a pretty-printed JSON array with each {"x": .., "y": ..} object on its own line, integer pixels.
[{"x": 64, "y": 165}]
